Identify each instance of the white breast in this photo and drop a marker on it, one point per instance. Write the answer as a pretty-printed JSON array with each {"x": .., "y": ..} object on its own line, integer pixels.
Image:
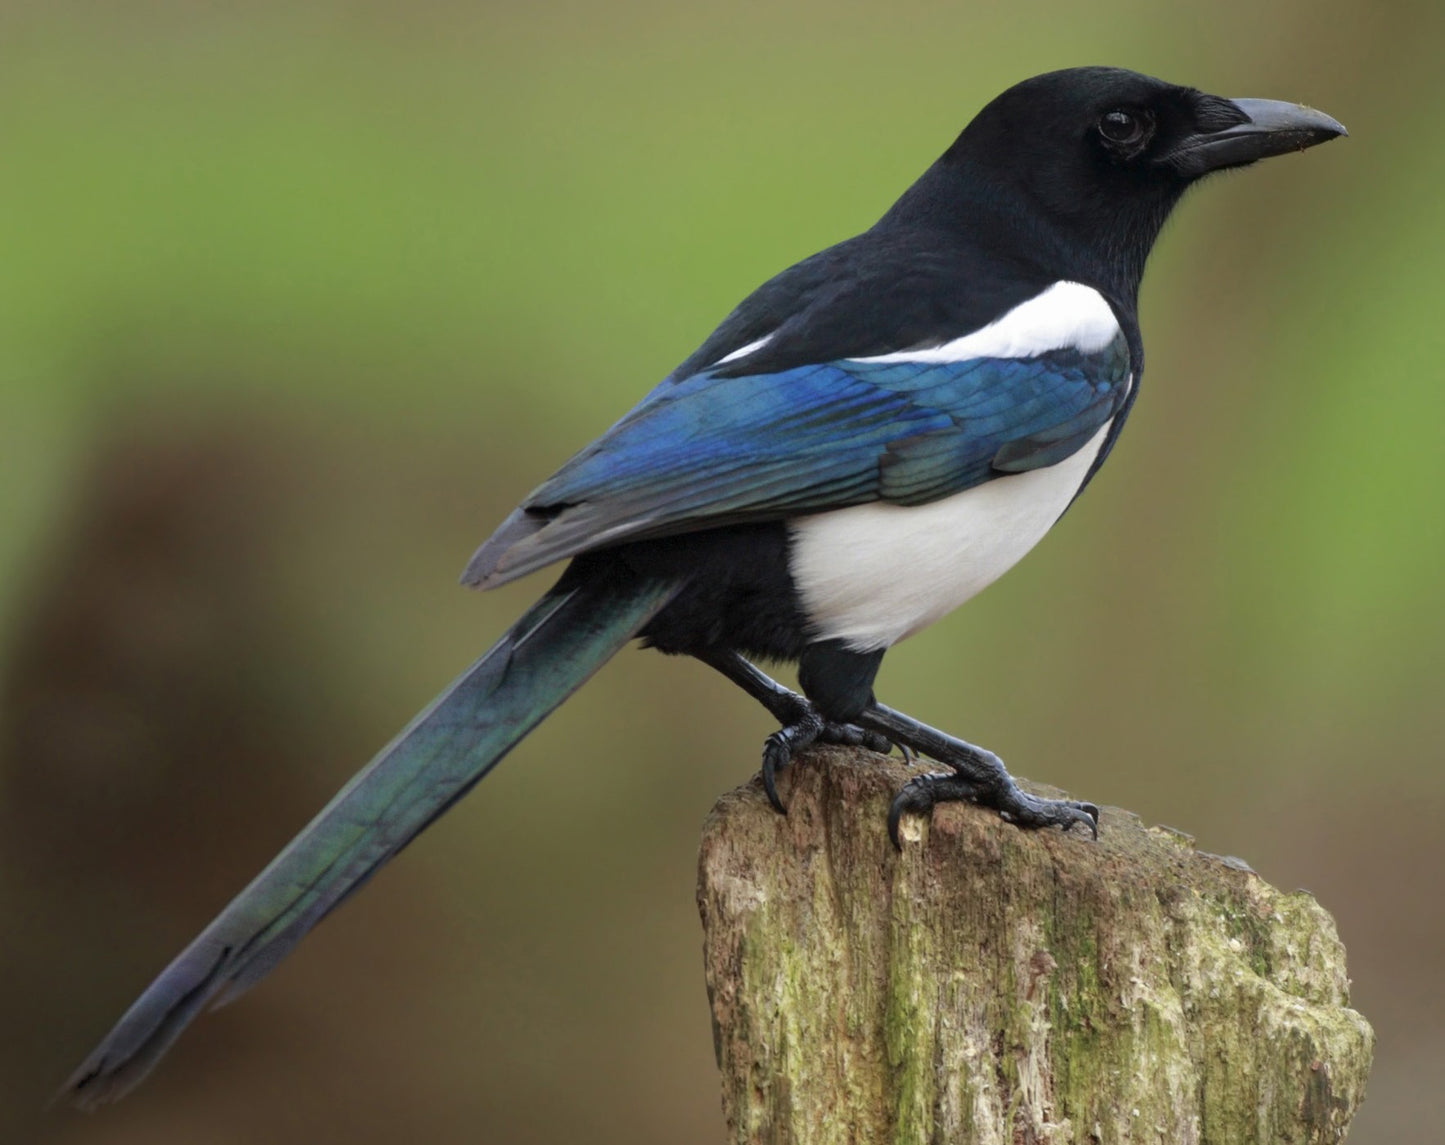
[{"x": 873, "y": 574}]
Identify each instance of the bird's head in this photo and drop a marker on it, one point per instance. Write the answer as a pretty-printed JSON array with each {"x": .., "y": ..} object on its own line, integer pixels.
[{"x": 1102, "y": 155}]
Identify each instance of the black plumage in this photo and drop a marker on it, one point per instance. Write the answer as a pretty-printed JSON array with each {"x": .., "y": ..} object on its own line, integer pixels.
[{"x": 753, "y": 504}]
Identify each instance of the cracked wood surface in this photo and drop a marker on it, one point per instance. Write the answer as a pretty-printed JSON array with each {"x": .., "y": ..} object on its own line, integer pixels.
[{"x": 990, "y": 985}]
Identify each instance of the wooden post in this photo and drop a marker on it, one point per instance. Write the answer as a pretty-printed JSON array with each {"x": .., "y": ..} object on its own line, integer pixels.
[{"x": 991, "y": 985}]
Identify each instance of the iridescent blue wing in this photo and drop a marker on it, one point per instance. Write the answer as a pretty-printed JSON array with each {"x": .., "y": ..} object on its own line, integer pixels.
[{"x": 710, "y": 450}]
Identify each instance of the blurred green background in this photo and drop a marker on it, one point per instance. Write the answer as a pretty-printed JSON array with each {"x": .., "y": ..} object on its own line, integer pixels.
[{"x": 296, "y": 301}]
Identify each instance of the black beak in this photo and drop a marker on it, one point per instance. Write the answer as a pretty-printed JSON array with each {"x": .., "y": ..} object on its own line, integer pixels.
[{"x": 1270, "y": 127}]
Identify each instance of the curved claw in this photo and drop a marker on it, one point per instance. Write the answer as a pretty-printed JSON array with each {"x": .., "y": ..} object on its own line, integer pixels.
[
  {"x": 772, "y": 749},
  {"x": 924, "y": 792},
  {"x": 1032, "y": 811},
  {"x": 920, "y": 794},
  {"x": 900, "y": 804},
  {"x": 810, "y": 728}
]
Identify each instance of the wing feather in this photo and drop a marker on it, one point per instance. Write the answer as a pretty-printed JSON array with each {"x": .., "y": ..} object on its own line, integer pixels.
[{"x": 711, "y": 449}]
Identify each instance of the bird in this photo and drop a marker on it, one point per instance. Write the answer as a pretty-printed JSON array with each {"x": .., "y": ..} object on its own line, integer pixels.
[{"x": 867, "y": 441}]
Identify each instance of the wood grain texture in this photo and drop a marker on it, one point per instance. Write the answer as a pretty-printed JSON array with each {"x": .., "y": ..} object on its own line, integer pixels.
[{"x": 990, "y": 985}]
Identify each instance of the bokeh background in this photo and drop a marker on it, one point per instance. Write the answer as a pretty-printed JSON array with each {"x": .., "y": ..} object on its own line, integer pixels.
[{"x": 297, "y": 300}]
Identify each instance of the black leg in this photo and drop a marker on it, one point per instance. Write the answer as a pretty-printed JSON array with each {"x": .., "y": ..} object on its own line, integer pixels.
[
  {"x": 978, "y": 776},
  {"x": 802, "y": 723}
]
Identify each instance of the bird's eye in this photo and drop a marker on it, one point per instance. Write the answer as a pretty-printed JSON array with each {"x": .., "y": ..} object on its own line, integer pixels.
[{"x": 1122, "y": 127}]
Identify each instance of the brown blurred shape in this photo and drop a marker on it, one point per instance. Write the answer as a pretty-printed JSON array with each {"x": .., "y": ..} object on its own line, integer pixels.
[
  {"x": 160, "y": 705},
  {"x": 152, "y": 661}
]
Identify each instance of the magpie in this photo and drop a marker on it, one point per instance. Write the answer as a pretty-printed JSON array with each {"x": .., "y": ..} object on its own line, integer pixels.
[{"x": 867, "y": 441}]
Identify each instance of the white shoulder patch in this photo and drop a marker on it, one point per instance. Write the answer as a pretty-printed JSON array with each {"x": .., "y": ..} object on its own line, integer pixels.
[
  {"x": 1068, "y": 315},
  {"x": 744, "y": 351}
]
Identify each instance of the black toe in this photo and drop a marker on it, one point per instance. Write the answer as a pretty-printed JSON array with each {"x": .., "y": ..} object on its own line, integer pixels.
[{"x": 1014, "y": 805}]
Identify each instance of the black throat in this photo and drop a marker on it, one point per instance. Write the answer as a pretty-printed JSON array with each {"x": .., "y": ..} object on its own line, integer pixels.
[{"x": 1072, "y": 232}]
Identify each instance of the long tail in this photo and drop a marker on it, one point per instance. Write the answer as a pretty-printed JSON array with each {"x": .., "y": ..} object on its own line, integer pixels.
[{"x": 561, "y": 641}]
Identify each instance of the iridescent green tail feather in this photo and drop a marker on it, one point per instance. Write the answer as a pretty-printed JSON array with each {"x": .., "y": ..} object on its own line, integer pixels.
[{"x": 561, "y": 641}]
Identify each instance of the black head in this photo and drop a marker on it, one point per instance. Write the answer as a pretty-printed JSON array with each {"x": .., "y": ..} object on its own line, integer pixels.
[{"x": 1088, "y": 162}]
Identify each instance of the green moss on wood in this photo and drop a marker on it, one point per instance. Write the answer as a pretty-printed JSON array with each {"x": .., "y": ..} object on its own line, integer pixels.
[{"x": 994, "y": 986}]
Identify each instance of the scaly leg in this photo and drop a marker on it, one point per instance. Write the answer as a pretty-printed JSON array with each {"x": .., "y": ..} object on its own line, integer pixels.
[
  {"x": 802, "y": 723},
  {"x": 978, "y": 776}
]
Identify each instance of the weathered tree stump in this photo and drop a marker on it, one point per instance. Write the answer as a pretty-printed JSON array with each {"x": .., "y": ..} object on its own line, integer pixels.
[{"x": 995, "y": 985}]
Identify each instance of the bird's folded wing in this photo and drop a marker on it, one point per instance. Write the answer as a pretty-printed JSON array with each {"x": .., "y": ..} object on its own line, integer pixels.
[{"x": 710, "y": 450}]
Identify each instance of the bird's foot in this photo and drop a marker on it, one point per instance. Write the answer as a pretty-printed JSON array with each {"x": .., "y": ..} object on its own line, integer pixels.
[
  {"x": 807, "y": 728},
  {"x": 976, "y": 776},
  {"x": 923, "y": 793},
  {"x": 803, "y": 724}
]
